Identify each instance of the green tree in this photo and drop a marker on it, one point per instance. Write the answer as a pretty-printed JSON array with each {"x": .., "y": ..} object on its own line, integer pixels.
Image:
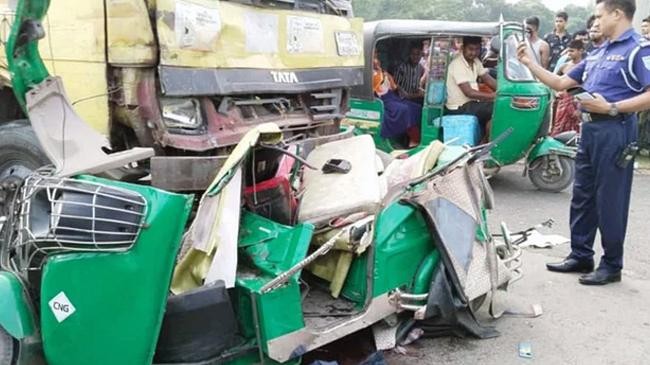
[
  {"x": 578, "y": 16},
  {"x": 470, "y": 10}
]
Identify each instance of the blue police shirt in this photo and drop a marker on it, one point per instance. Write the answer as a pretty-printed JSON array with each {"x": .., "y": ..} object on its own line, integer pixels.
[{"x": 618, "y": 70}]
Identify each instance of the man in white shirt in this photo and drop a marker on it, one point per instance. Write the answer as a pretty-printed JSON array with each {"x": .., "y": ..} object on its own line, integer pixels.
[
  {"x": 542, "y": 49},
  {"x": 463, "y": 95}
]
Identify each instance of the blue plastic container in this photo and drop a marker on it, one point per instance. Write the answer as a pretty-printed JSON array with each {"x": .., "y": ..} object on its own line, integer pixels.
[
  {"x": 437, "y": 92},
  {"x": 463, "y": 129}
]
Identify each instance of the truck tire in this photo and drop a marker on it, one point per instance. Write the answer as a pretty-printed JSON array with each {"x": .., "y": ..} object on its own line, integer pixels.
[
  {"x": 7, "y": 348},
  {"x": 20, "y": 155}
]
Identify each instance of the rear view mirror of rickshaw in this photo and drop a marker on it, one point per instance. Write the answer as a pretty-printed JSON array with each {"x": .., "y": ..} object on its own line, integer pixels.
[{"x": 520, "y": 101}]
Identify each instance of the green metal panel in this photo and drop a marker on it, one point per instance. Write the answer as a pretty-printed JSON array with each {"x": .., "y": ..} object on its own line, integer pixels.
[
  {"x": 366, "y": 110},
  {"x": 402, "y": 239},
  {"x": 119, "y": 298},
  {"x": 430, "y": 131},
  {"x": 278, "y": 312},
  {"x": 424, "y": 275},
  {"x": 272, "y": 247},
  {"x": 550, "y": 146},
  {"x": 366, "y": 117},
  {"x": 355, "y": 286},
  {"x": 16, "y": 315},
  {"x": 24, "y": 61},
  {"x": 268, "y": 249}
]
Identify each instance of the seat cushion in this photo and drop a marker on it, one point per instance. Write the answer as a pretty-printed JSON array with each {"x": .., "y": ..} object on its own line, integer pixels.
[{"x": 328, "y": 196}]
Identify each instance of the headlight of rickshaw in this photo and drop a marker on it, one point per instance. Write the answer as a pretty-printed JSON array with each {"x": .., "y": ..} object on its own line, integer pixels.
[{"x": 181, "y": 113}]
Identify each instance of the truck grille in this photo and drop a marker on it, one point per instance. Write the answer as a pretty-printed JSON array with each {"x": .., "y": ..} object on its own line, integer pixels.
[{"x": 325, "y": 105}]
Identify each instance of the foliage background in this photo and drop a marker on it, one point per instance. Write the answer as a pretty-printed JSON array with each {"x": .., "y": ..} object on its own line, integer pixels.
[{"x": 470, "y": 10}]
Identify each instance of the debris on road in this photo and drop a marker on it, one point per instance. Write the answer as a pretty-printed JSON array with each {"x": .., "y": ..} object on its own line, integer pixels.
[{"x": 525, "y": 350}]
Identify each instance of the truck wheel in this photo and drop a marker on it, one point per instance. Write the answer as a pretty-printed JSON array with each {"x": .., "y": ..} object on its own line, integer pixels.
[
  {"x": 7, "y": 348},
  {"x": 552, "y": 173},
  {"x": 20, "y": 155}
]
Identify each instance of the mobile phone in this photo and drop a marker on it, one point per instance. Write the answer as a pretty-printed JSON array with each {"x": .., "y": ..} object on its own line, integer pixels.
[
  {"x": 580, "y": 93},
  {"x": 336, "y": 166},
  {"x": 584, "y": 96}
]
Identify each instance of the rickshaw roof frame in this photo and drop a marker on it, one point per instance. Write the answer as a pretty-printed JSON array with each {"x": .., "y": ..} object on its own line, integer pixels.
[{"x": 382, "y": 29}]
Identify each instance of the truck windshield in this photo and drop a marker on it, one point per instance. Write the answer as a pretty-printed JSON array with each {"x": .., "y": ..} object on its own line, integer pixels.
[{"x": 334, "y": 7}]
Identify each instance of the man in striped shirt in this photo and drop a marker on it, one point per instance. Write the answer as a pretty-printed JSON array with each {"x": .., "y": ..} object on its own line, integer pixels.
[{"x": 409, "y": 74}]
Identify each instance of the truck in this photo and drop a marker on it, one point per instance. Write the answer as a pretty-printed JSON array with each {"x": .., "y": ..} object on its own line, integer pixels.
[{"x": 185, "y": 78}]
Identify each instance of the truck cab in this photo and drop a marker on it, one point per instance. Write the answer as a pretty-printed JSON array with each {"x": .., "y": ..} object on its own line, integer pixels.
[{"x": 187, "y": 79}]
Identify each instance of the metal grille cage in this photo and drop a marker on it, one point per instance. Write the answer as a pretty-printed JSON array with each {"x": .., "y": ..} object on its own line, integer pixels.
[{"x": 55, "y": 215}]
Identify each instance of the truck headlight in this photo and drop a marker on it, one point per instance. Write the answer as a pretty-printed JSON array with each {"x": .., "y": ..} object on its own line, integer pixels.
[{"x": 181, "y": 113}]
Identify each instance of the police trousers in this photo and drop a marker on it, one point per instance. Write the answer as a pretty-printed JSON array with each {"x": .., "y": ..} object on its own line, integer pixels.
[{"x": 601, "y": 191}]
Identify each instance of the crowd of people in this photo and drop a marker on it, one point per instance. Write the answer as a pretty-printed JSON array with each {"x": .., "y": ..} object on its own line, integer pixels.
[
  {"x": 559, "y": 51},
  {"x": 402, "y": 91}
]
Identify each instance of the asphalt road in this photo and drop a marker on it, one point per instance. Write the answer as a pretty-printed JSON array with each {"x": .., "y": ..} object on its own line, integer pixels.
[{"x": 580, "y": 325}]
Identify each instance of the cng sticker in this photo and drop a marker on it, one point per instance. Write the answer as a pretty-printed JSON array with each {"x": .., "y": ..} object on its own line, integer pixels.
[{"x": 61, "y": 307}]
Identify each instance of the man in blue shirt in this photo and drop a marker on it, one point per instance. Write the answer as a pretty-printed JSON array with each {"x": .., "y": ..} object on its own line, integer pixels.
[
  {"x": 559, "y": 39},
  {"x": 617, "y": 75}
]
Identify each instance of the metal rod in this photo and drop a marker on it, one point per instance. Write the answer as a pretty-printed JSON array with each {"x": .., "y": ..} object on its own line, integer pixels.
[
  {"x": 91, "y": 219},
  {"x": 282, "y": 278},
  {"x": 291, "y": 154},
  {"x": 412, "y": 308},
  {"x": 414, "y": 296},
  {"x": 256, "y": 322}
]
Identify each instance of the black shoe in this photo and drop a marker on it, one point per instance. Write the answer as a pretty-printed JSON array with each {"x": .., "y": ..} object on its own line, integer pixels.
[
  {"x": 571, "y": 265},
  {"x": 600, "y": 277}
]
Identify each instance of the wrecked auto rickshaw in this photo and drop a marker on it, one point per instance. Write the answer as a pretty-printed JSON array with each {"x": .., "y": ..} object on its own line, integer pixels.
[
  {"x": 522, "y": 103},
  {"x": 295, "y": 244},
  {"x": 87, "y": 262}
]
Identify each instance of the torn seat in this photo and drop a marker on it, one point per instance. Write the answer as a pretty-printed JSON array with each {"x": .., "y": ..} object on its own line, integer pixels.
[
  {"x": 335, "y": 265},
  {"x": 329, "y": 196},
  {"x": 71, "y": 144}
]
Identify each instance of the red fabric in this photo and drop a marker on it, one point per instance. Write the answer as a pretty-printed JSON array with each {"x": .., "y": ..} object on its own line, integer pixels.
[
  {"x": 566, "y": 115},
  {"x": 414, "y": 135}
]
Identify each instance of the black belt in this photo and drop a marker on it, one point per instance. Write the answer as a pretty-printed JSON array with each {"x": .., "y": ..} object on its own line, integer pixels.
[{"x": 593, "y": 117}]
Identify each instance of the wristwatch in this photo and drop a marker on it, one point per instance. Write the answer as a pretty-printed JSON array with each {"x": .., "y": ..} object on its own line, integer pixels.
[{"x": 613, "y": 110}]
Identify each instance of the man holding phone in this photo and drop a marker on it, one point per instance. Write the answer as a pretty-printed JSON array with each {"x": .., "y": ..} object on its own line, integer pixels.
[{"x": 616, "y": 77}]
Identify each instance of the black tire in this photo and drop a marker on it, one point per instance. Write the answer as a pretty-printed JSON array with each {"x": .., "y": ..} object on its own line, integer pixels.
[
  {"x": 545, "y": 173},
  {"x": 20, "y": 154},
  {"x": 7, "y": 348}
]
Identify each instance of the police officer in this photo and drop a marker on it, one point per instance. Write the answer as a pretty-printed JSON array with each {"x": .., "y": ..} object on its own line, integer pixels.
[{"x": 617, "y": 76}]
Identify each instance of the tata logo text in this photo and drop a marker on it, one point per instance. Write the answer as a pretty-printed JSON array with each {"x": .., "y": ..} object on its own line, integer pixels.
[{"x": 284, "y": 77}]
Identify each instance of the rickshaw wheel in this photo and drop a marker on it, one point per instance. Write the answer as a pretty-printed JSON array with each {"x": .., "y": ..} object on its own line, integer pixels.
[
  {"x": 7, "y": 348},
  {"x": 552, "y": 174}
]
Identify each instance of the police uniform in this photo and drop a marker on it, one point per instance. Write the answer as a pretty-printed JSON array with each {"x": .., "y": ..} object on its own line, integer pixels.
[{"x": 618, "y": 70}]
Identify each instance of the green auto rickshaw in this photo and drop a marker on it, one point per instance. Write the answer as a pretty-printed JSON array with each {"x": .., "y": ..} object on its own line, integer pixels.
[{"x": 522, "y": 103}]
